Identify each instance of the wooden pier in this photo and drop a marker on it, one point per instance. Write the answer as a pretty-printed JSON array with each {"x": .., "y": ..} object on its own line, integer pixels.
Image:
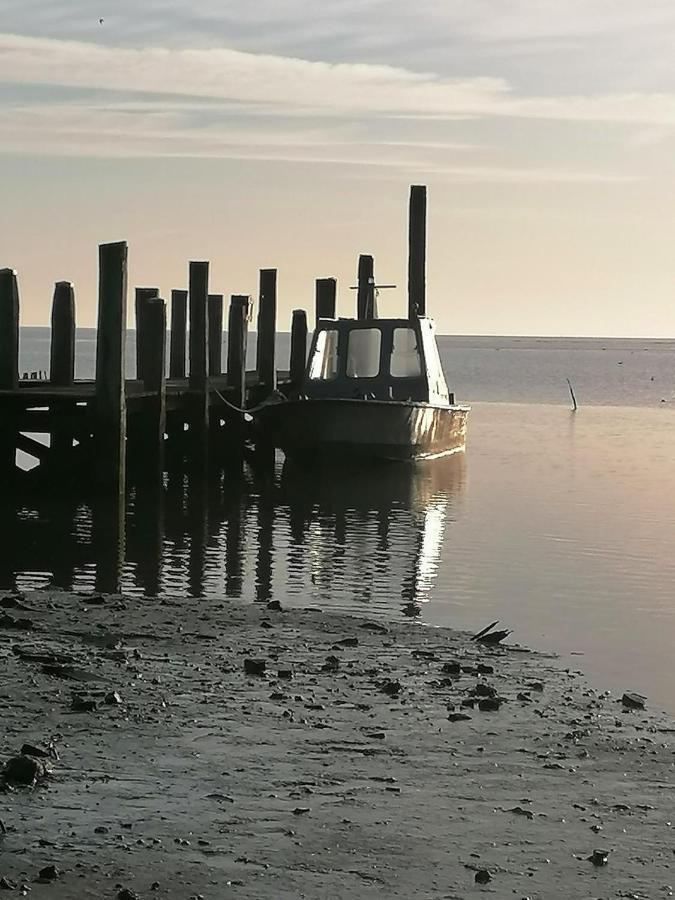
[{"x": 104, "y": 432}]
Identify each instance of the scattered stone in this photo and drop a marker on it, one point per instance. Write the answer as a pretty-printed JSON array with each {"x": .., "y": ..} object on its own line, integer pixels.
[
  {"x": 113, "y": 698},
  {"x": 451, "y": 668},
  {"x": 7, "y": 885},
  {"x": 37, "y": 752},
  {"x": 348, "y": 642},
  {"x": 275, "y": 606},
  {"x": 284, "y": 673},
  {"x": 519, "y": 811},
  {"x": 127, "y": 894},
  {"x": 483, "y": 690},
  {"x": 332, "y": 664},
  {"x": 23, "y": 769},
  {"x": 9, "y": 602},
  {"x": 300, "y": 810},
  {"x": 458, "y": 717},
  {"x": 489, "y": 704},
  {"x": 599, "y": 857},
  {"x": 483, "y": 876},
  {"x": 7, "y": 621},
  {"x": 81, "y": 704},
  {"x": 633, "y": 701},
  {"x": 254, "y": 666},
  {"x": 49, "y": 873},
  {"x": 392, "y": 688},
  {"x": 101, "y": 829},
  {"x": 484, "y": 669},
  {"x": 373, "y": 626}
]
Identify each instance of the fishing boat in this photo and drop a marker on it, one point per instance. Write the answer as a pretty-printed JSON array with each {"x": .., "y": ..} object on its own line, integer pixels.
[{"x": 373, "y": 388}]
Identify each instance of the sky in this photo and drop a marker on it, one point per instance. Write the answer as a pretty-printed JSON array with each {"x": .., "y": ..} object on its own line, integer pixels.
[{"x": 286, "y": 133}]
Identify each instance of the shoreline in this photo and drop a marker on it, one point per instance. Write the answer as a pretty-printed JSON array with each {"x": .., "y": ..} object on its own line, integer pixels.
[{"x": 318, "y": 778}]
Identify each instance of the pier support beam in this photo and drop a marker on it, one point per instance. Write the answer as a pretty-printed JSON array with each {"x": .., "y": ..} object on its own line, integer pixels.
[
  {"x": 417, "y": 248},
  {"x": 237, "y": 340},
  {"x": 298, "y": 346},
  {"x": 215, "y": 334},
  {"x": 110, "y": 437},
  {"x": 153, "y": 419},
  {"x": 199, "y": 388},
  {"x": 62, "y": 357},
  {"x": 326, "y": 297},
  {"x": 178, "y": 334},
  {"x": 365, "y": 304},
  {"x": 267, "y": 317},
  {"x": 142, "y": 296},
  {"x": 9, "y": 330}
]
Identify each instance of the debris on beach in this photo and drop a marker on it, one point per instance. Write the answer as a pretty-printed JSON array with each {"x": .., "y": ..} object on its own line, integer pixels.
[
  {"x": 488, "y": 636},
  {"x": 254, "y": 666},
  {"x": 25, "y": 770},
  {"x": 599, "y": 857},
  {"x": 633, "y": 701}
]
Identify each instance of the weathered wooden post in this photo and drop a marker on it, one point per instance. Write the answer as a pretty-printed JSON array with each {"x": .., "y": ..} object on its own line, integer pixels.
[
  {"x": 9, "y": 365},
  {"x": 155, "y": 380},
  {"x": 417, "y": 248},
  {"x": 199, "y": 380},
  {"x": 326, "y": 295},
  {"x": 9, "y": 330},
  {"x": 215, "y": 334},
  {"x": 267, "y": 318},
  {"x": 62, "y": 349},
  {"x": 62, "y": 356},
  {"x": 366, "y": 289},
  {"x": 178, "y": 333},
  {"x": 298, "y": 346},
  {"x": 237, "y": 339},
  {"x": 142, "y": 296},
  {"x": 110, "y": 435}
]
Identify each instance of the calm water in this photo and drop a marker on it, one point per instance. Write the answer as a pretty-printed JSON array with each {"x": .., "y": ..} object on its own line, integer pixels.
[{"x": 560, "y": 525}]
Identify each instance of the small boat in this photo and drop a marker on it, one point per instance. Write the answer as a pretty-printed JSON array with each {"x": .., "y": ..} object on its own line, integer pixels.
[{"x": 373, "y": 387}]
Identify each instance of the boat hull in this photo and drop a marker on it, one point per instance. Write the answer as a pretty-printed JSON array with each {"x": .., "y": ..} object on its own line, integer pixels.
[{"x": 374, "y": 429}]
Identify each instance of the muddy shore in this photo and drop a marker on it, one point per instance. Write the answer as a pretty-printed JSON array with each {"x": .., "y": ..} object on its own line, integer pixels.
[{"x": 359, "y": 763}]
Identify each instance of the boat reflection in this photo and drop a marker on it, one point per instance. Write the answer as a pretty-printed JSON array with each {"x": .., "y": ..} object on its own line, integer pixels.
[{"x": 335, "y": 537}]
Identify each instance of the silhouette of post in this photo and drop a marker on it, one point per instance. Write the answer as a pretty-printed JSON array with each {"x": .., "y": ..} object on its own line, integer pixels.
[
  {"x": 142, "y": 296},
  {"x": 417, "y": 248},
  {"x": 325, "y": 298},
  {"x": 365, "y": 303},
  {"x": 298, "y": 346},
  {"x": 215, "y": 334},
  {"x": 267, "y": 317}
]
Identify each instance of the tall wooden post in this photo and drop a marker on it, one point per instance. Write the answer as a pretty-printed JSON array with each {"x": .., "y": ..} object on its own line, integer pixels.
[
  {"x": 62, "y": 355},
  {"x": 237, "y": 339},
  {"x": 417, "y": 249},
  {"x": 9, "y": 366},
  {"x": 155, "y": 379},
  {"x": 143, "y": 294},
  {"x": 9, "y": 330},
  {"x": 215, "y": 334},
  {"x": 62, "y": 350},
  {"x": 111, "y": 423},
  {"x": 199, "y": 388},
  {"x": 298, "y": 346},
  {"x": 366, "y": 289},
  {"x": 267, "y": 318},
  {"x": 178, "y": 334},
  {"x": 326, "y": 296}
]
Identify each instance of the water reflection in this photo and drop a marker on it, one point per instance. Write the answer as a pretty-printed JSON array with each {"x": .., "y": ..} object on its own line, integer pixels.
[{"x": 260, "y": 529}]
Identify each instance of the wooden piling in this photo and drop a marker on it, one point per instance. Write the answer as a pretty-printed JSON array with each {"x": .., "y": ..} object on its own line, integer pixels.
[
  {"x": 110, "y": 430},
  {"x": 62, "y": 349},
  {"x": 366, "y": 290},
  {"x": 9, "y": 330},
  {"x": 179, "y": 300},
  {"x": 298, "y": 346},
  {"x": 215, "y": 334},
  {"x": 326, "y": 297},
  {"x": 267, "y": 317},
  {"x": 198, "y": 345},
  {"x": 237, "y": 339},
  {"x": 417, "y": 246},
  {"x": 155, "y": 375},
  {"x": 142, "y": 296}
]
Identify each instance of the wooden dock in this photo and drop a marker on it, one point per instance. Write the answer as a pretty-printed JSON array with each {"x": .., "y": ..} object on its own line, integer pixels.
[{"x": 180, "y": 409}]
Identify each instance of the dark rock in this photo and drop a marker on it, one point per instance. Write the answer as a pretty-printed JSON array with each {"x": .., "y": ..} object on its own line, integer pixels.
[
  {"x": 101, "y": 829},
  {"x": 284, "y": 673},
  {"x": 633, "y": 701},
  {"x": 7, "y": 621},
  {"x": 37, "y": 752},
  {"x": 484, "y": 669},
  {"x": 599, "y": 857},
  {"x": 458, "y": 717},
  {"x": 7, "y": 885},
  {"x": 275, "y": 606},
  {"x": 348, "y": 642},
  {"x": 113, "y": 699},
  {"x": 468, "y": 702},
  {"x": 300, "y": 810},
  {"x": 266, "y": 624},
  {"x": 10, "y": 602},
  {"x": 523, "y": 697},
  {"x": 489, "y": 704},
  {"x": 332, "y": 664},
  {"x": 483, "y": 690},
  {"x": 81, "y": 704},
  {"x": 451, "y": 668},
  {"x": 536, "y": 686},
  {"x": 49, "y": 873},
  {"x": 24, "y": 770},
  {"x": 392, "y": 688},
  {"x": 127, "y": 894},
  {"x": 424, "y": 654},
  {"x": 254, "y": 666},
  {"x": 373, "y": 626},
  {"x": 483, "y": 876}
]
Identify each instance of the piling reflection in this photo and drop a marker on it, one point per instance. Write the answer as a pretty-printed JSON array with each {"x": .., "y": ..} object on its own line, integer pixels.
[{"x": 339, "y": 537}]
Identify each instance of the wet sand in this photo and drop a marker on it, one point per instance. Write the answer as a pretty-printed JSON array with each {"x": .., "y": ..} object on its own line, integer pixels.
[{"x": 318, "y": 778}]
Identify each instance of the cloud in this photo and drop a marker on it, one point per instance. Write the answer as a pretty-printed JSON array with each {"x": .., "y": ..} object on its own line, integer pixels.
[{"x": 299, "y": 86}]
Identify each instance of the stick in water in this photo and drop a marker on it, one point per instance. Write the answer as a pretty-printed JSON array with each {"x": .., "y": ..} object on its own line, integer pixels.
[{"x": 574, "y": 399}]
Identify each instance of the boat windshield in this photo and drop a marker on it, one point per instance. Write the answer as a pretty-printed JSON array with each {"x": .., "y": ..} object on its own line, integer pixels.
[
  {"x": 405, "y": 354},
  {"x": 363, "y": 353},
  {"x": 324, "y": 362}
]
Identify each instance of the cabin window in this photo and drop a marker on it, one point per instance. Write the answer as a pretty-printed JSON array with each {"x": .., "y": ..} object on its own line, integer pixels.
[
  {"x": 324, "y": 362},
  {"x": 363, "y": 353},
  {"x": 405, "y": 354}
]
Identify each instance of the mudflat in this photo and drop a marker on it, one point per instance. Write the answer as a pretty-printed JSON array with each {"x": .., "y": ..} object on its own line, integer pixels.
[{"x": 220, "y": 750}]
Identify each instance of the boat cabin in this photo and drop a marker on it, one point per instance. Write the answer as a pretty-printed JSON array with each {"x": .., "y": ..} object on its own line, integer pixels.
[{"x": 376, "y": 359}]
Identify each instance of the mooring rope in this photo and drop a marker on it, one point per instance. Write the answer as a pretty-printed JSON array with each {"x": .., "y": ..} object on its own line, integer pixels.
[{"x": 245, "y": 412}]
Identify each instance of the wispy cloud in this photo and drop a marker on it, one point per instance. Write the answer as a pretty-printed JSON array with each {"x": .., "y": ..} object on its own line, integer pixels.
[{"x": 303, "y": 86}]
